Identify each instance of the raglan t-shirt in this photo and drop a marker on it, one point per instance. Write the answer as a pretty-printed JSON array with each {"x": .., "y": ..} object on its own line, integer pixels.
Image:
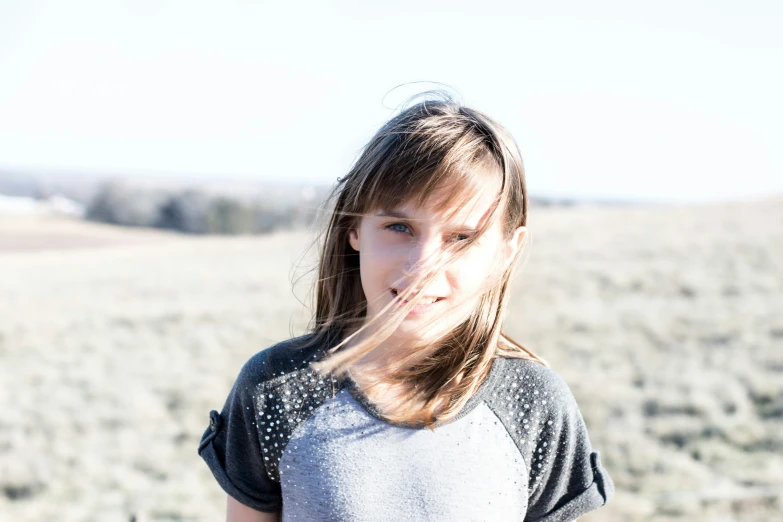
[{"x": 291, "y": 440}]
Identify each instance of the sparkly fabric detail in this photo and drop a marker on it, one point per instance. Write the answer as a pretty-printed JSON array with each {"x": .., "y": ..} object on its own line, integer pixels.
[
  {"x": 283, "y": 404},
  {"x": 565, "y": 478},
  {"x": 524, "y": 403}
]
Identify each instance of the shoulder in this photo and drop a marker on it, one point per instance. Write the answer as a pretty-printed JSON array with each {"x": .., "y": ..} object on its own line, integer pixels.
[
  {"x": 565, "y": 477},
  {"x": 533, "y": 384},
  {"x": 285, "y": 357},
  {"x": 285, "y": 392},
  {"x": 534, "y": 404}
]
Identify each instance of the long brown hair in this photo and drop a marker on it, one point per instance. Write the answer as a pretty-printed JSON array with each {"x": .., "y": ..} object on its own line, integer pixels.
[{"x": 432, "y": 144}]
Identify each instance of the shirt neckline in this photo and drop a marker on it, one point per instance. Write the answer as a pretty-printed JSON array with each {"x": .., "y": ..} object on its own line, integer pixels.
[{"x": 483, "y": 390}]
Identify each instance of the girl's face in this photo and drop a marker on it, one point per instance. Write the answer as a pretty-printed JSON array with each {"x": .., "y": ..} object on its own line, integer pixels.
[{"x": 398, "y": 245}]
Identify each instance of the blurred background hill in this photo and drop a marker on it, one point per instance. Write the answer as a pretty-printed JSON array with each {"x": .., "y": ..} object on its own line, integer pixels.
[
  {"x": 197, "y": 206},
  {"x": 200, "y": 205}
]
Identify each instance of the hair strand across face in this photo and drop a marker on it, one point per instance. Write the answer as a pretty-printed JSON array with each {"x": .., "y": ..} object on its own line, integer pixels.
[{"x": 432, "y": 147}]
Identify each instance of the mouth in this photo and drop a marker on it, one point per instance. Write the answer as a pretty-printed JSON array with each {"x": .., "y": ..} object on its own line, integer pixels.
[{"x": 424, "y": 304}]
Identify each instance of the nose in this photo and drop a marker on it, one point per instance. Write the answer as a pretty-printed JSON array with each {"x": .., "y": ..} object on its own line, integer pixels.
[{"x": 423, "y": 256}]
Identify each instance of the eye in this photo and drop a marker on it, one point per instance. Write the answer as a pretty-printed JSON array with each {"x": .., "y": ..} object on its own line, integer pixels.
[
  {"x": 456, "y": 238},
  {"x": 400, "y": 228}
]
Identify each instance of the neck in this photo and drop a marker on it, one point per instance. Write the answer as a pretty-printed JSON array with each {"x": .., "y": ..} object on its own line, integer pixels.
[{"x": 384, "y": 359}]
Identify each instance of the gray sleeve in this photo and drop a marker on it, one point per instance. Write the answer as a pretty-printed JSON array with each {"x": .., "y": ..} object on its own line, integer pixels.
[
  {"x": 566, "y": 476},
  {"x": 231, "y": 445}
]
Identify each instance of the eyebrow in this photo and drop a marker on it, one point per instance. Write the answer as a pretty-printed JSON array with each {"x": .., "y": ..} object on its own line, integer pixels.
[
  {"x": 393, "y": 213},
  {"x": 399, "y": 214}
]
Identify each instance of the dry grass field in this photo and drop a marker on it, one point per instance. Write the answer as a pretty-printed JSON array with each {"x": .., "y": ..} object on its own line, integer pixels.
[{"x": 666, "y": 322}]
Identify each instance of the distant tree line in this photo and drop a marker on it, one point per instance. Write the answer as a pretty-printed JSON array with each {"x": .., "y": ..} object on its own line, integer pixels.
[{"x": 192, "y": 211}]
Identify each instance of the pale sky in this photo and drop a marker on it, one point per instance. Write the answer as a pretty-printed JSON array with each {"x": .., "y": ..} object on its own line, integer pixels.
[{"x": 669, "y": 100}]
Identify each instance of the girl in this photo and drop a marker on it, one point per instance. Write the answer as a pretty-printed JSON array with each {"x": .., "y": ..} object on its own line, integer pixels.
[{"x": 407, "y": 401}]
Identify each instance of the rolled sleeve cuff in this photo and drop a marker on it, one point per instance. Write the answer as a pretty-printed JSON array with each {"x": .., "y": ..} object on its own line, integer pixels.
[
  {"x": 596, "y": 495},
  {"x": 267, "y": 504}
]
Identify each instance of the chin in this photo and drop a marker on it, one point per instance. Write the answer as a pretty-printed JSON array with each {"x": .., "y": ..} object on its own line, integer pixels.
[{"x": 413, "y": 331}]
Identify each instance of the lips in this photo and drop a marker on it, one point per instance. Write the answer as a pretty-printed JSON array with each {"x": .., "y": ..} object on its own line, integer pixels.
[
  {"x": 424, "y": 300},
  {"x": 425, "y": 304}
]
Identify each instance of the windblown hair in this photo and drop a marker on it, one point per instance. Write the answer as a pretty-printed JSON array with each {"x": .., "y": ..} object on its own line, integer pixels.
[{"x": 430, "y": 145}]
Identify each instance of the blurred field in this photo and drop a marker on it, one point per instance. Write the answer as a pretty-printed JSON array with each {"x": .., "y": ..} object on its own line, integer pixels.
[{"x": 666, "y": 321}]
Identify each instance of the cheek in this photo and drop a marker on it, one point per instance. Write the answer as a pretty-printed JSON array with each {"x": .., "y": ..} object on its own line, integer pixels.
[
  {"x": 473, "y": 272},
  {"x": 373, "y": 268},
  {"x": 367, "y": 269}
]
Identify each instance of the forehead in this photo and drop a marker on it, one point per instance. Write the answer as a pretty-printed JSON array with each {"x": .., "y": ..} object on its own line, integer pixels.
[{"x": 470, "y": 207}]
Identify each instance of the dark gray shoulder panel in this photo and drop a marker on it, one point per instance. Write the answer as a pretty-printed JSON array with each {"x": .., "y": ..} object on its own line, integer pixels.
[
  {"x": 565, "y": 478},
  {"x": 231, "y": 445},
  {"x": 289, "y": 395}
]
